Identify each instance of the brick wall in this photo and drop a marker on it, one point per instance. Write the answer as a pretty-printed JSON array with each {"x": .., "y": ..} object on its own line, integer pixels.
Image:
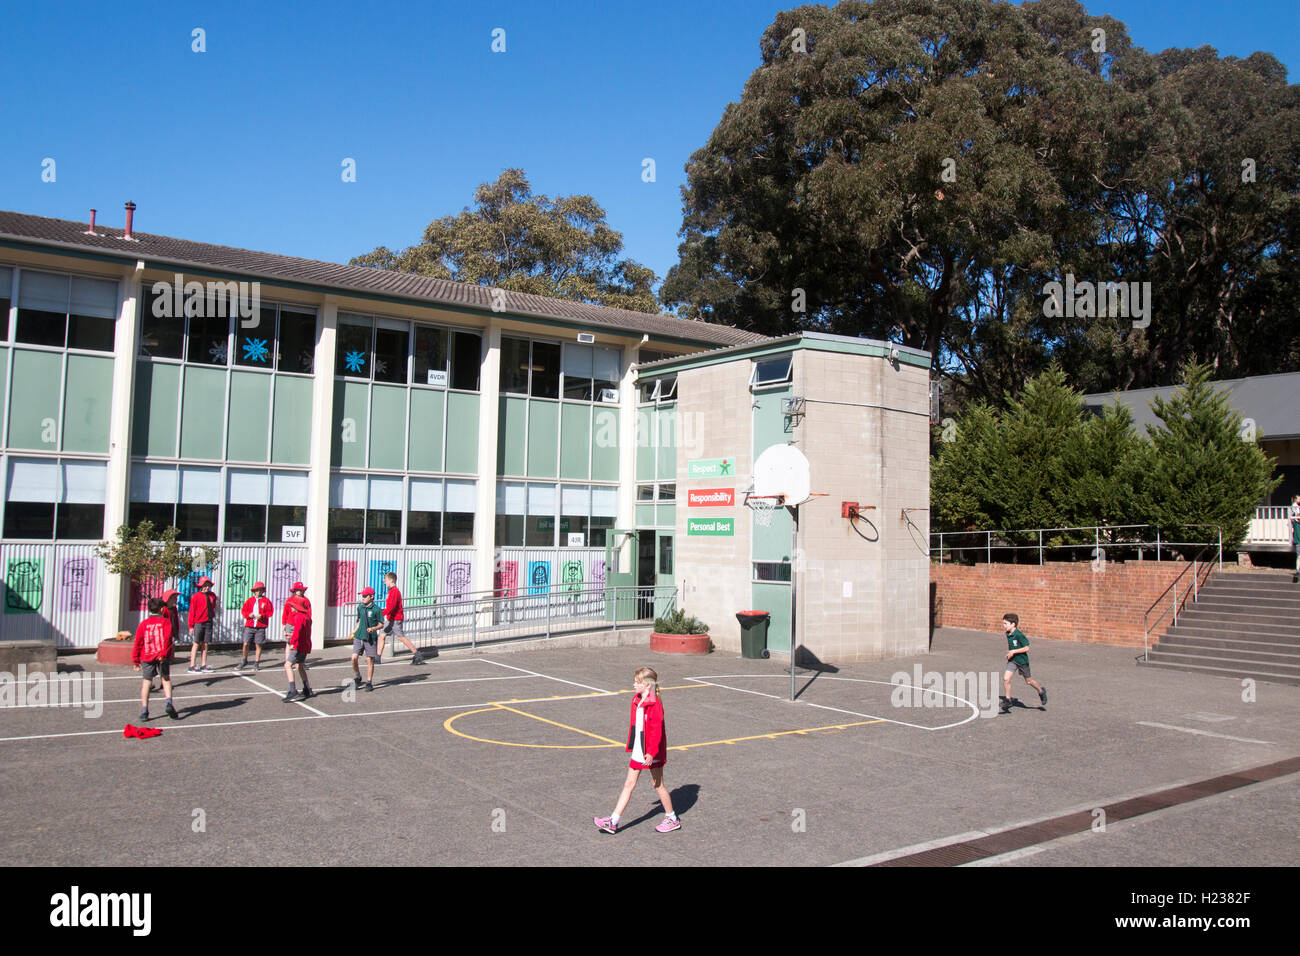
[{"x": 1064, "y": 601}]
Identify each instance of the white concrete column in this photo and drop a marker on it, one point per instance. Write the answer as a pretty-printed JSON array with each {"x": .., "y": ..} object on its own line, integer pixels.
[
  {"x": 316, "y": 575},
  {"x": 627, "y": 440},
  {"x": 117, "y": 486},
  {"x": 489, "y": 403}
]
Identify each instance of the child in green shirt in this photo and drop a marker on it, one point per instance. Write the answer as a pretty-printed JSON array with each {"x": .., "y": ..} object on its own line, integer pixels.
[
  {"x": 366, "y": 637},
  {"x": 1017, "y": 660}
]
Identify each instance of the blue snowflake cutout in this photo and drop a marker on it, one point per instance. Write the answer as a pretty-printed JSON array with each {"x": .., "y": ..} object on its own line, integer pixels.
[
  {"x": 354, "y": 361},
  {"x": 255, "y": 350}
]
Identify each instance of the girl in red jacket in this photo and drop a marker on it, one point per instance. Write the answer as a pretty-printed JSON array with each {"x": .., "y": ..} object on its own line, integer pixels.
[{"x": 647, "y": 742}]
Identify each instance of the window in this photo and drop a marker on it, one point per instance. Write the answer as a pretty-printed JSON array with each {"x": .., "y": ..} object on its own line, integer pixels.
[
  {"x": 665, "y": 554},
  {"x": 657, "y": 390},
  {"x": 424, "y": 512},
  {"x": 209, "y": 337},
  {"x": 297, "y": 344},
  {"x": 458, "y": 516},
  {"x": 511, "y": 505},
  {"x": 246, "y": 505},
  {"x": 187, "y": 498},
  {"x": 6, "y": 287},
  {"x": 431, "y": 358},
  {"x": 255, "y": 344},
  {"x": 58, "y": 310},
  {"x": 546, "y": 371},
  {"x": 668, "y": 492},
  {"x": 384, "y": 511},
  {"x": 347, "y": 517},
  {"x": 466, "y": 357},
  {"x": 774, "y": 572},
  {"x": 353, "y": 347},
  {"x": 604, "y": 509},
  {"x": 605, "y": 375},
  {"x": 577, "y": 372},
  {"x": 514, "y": 366},
  {"x": 51, "y": 499},
  {"x": 575, "y": 507},
  {"x": 540, "y": 527},
  {"x": 392, "y": 341},
  {"x": 775, "y": 371},
  {"x": 288, "y": 508}
]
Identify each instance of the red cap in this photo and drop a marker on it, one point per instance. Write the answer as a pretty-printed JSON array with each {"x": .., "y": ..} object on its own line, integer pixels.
[
  {"x": 168, "y": 595},
  {"x": 204, "y": 582},
  {"x": 258, "y": 586},
  {"x": 368, "y": 592},
  {"x": 297, "y": 586}
]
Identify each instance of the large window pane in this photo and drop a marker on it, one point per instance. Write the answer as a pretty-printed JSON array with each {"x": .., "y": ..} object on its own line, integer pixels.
[
  {"x": 390, "y": 354},
  {"x": 161, "y": 335},
  {"x": 514, "y": 365},
  {"x": 209, "y": 336},
  {"x": 458, "y": 513},
  {"x": 40, "y": 328},
  {"x": 162, "y": 515},
  {"x": 42, "y": 308},
  {"x": 541, "y": 517},
  {"x": 424, "y": 515},
  {"x": 297, "y": 341},
  {"x": 29, "y": 519},
  {"x": 245, "y": 522},
  {"x": 281, "y": 516},
  {"x": 84, "y": 522},
  {"x": 384, "y": 513},
  {"x": 577, "y": 372},
  {"x": 255, "y": 345},
  {"x": 347, "y": 525},
  {"x": 196, "y": 522},
  {"x": 546, "y": 371},
  {"x": 466, "y": 358},
  {"x": 605, "y": 375},
  {"x": 90, "y": 332},
  {"x": 430, "y": 356},
  {"x": 353, "y": 349}
]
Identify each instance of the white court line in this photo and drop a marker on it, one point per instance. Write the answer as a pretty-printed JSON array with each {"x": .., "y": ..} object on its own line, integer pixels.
[
  {"x": 1203, "y": 733},
  {"x": 853, "y": 713},
  {"x": 186, "y": 725},
  {"x": 318, "y": 713},
  {"x": 135, "y": 700},
  {"x": 225, "y": 671},
  {"x": 547, "y": 676}
]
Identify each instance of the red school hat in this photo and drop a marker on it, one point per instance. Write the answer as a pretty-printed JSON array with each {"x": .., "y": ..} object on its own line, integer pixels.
[
  {"x": 258, "y": 586},
  {"x": 168, "y": 595},
  {"x": 367, "y": 591},
  {"x": 297, "y": 586}
]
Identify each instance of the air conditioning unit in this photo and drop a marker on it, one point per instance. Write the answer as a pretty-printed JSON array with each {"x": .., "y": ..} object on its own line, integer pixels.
[{"x": 586, "y": 338}]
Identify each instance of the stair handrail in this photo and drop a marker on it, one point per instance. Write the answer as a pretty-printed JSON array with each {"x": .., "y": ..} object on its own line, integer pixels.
[{"x": 1193, "y": 591}]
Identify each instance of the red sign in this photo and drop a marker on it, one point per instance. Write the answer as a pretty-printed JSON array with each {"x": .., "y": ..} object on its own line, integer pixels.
[{"x": 710, "y": 497}]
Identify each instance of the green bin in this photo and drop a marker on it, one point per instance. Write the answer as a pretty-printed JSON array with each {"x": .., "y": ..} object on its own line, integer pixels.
[{"x": 753, "y": 633}]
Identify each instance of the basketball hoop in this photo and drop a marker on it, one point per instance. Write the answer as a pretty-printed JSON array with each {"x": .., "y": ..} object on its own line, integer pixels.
[{"x": 764, "y": 508}]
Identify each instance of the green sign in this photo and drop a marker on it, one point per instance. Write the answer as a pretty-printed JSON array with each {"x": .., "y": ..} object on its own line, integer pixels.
[
  {"x": 711, "y": 468},
  {"x": 711, "y": 526}
]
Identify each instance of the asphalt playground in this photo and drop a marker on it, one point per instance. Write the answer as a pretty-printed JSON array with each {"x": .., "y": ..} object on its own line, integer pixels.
[{"x": 503, "y": 756}]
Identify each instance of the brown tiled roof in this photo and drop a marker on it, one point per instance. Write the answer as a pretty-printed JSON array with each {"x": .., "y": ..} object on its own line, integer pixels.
[{"x": 166, "y": 251}]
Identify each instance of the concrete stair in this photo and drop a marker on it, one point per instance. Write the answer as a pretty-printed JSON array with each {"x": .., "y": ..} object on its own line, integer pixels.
[{"x": 1246, "y": 624}]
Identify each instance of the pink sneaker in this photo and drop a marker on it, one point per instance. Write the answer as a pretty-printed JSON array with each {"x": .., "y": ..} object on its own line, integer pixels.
[
  {"x": 606, "y": 824},
  {"x": 668, "y": 826}
]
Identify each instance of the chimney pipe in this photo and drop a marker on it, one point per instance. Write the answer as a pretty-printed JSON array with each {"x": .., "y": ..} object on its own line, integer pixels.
[
  {"x": 91, "y": 230},
  {"x": 130, "y": 215}
]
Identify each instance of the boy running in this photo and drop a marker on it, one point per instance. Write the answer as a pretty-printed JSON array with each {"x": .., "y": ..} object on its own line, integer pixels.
[
  {"x": 1017, "y": 660},
  {"x": 257, "y": 613},
  {"x": 393, "y": 620},
  {"x": 365, "y": 636},
  {"x": 1295, "y": 536},
  {"x": 203, "y": 612},
  {"x": 149, "y": 654},
  {"x": 296, "y": 618}
]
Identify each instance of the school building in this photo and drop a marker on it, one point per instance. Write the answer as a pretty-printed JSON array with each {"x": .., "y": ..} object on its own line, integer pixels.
[{"x": 329, "y": 423}]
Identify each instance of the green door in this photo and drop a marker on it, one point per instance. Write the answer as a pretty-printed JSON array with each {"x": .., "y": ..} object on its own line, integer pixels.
[{"x": 620, "y": 575}]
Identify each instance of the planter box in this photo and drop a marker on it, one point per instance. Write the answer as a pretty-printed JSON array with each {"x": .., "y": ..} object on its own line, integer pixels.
[
  {"x": 680, "y": 643},
  {"x": 118, "y": 653}
]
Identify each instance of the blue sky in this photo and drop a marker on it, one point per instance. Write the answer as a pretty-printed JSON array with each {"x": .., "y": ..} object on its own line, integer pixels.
[{"x": 242, "y": 144}]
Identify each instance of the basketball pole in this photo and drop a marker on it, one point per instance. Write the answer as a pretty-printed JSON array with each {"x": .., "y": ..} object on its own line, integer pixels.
[{"x": 794, "y": 585}]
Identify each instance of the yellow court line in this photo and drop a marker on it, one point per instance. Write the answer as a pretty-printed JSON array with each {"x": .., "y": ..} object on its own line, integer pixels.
[
  {"x": 556, "y": 723},
  {"x": 779, "y": 733},
  {"x": 601, "y": 693},
  {"x": 447, "y": 725}
]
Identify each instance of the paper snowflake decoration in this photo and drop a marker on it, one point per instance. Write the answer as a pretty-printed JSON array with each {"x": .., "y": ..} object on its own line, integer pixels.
[
  {"x": 354, "y": 361},
  {"x": 218, "y": 353},
  {"x": 255, "y": 350},
  {"x": 380, "y": 366}
]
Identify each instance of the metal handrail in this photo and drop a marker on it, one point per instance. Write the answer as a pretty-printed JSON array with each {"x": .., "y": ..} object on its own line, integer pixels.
[
  {"x": 1193, "y": 590},
  {"x": 1098, "y": 544}
]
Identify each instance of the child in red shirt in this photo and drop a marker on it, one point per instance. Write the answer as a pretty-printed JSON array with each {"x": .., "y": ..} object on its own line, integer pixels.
[
  {"x": 257, "y": 613},
  {"x": 150, "y": 653},
  {"x": 393, "y": 617},
  {"x": 296, "y": 618},
  {"x": 647, "y": 741},
  {"x": 203, "y": 615}
]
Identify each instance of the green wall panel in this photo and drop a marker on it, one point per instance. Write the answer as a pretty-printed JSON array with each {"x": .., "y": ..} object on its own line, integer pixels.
[
  {"x": 543, "y": 438},
  {"x": 87, "y": 404},
  {"x": 425, "y": 453},
  {"x": 351, "y": 417},
  {"x": 645, "y": 516},
  {"x": 34, "y": 402},
  {"x": 512, "y": 435},
  {"x": 388, "y": 427},
  {"x": 666, "y": 469},
  {"x": 4, "y": 371},
  {"x": 604, "y": 450},
  {"x": 667, "y": 516},
  {"x": 462, "y": 433},
  {"x": 775, "y": 599},
  {"x": 291, "y": 422},
  {"x": 647, "y": 425},
  {"x": 575, "y": 441},
  {"x": 153, "y": 420},
  {"x": 203, "y": 403},
  {"x": 250, "y": 416}
]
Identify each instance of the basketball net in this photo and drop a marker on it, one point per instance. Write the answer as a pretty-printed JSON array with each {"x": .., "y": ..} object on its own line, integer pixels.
[{"x": 764, "y": 509}]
